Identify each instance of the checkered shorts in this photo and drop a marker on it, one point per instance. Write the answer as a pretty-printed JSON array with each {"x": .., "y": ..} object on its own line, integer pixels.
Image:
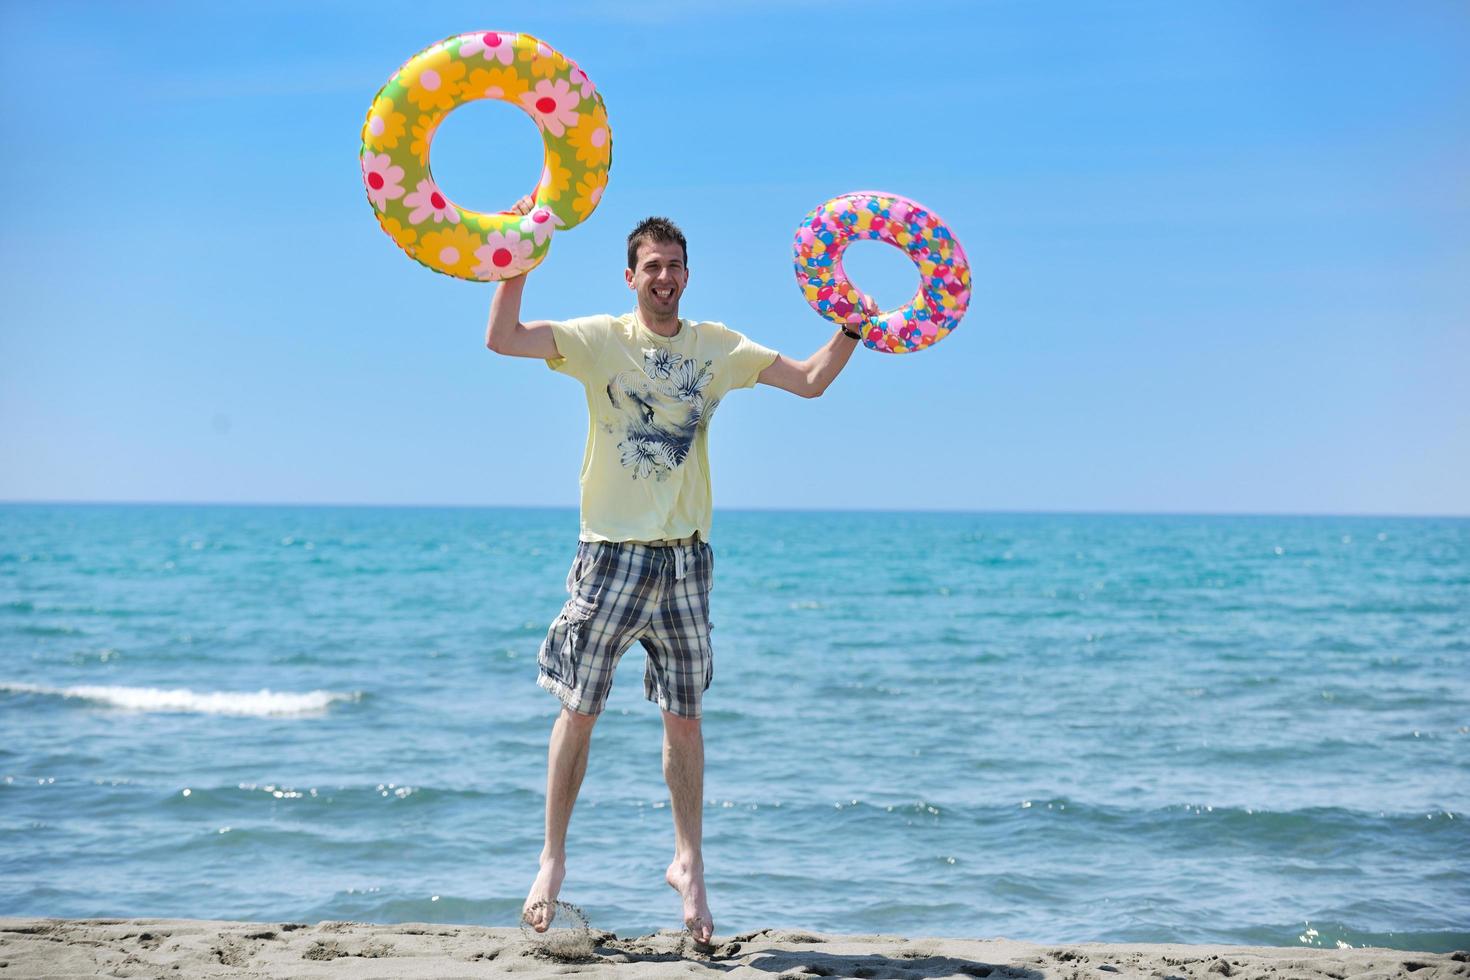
[{"x": 621, "y": 592}]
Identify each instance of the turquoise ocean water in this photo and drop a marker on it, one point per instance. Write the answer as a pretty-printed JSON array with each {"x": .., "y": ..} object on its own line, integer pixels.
[{"x": 1046, "y": 727}]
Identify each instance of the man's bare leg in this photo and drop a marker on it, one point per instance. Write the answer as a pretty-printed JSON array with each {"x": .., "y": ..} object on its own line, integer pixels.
[
  {"x": 684, "y": 772},
  {"x": 566, "y": 764}
]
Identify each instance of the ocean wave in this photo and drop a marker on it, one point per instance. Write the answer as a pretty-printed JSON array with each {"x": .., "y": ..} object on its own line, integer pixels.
[
  {"x": 1332, "y": 934},
  {"x": 264, "y": 703},
  {"x": 1299, "y": 825}
]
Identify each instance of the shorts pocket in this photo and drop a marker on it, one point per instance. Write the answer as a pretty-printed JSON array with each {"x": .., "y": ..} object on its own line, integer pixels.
[
  {"x": 584, "y": 581},
  {"x": 578, "y": 611},
  {"x": 562, "y": 650}
]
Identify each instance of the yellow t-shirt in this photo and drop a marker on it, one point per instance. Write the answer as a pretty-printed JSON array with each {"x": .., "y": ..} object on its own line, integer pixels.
[{"x": 645, "y": 471}]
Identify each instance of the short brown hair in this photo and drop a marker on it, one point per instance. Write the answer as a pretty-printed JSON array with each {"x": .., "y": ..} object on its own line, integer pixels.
[{"x": 655, "y": 229}]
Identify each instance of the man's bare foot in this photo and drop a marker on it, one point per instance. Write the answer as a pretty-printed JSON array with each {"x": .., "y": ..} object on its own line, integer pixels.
[
  {"x": 687, "y": 878},
  {"x": 540, "y": 907}
]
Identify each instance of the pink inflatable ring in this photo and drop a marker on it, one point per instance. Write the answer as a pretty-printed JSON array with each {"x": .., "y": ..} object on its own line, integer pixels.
[{"x": 944, "y": 272}]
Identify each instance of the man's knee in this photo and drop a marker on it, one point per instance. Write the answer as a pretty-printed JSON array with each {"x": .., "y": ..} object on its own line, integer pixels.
[
  {"x": 679, "y": 727},
  {"x": 577, "y": 721}
]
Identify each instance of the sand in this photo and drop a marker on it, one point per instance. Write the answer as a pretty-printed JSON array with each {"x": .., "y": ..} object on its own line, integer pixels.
[{"x": 193, "y": 948}]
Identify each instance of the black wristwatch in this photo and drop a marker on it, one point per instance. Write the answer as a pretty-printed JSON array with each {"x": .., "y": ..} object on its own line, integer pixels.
[{"x": 852, "y": 333}]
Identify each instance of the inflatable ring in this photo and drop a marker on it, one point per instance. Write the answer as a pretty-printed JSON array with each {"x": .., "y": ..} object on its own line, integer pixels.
[
  {"x": 944, "y": 272},
  {"x": 405, "y": 114}
]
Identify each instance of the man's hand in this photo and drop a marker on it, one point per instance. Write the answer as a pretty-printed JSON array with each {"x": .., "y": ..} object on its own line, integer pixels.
[{"x": 524, "y": 205}]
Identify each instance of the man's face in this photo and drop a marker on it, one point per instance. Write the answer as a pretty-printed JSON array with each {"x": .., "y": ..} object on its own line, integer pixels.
[{"x": 659, "y": 278}]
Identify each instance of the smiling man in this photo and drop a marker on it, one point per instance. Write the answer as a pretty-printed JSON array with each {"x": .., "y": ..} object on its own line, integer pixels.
[{"x": 643, "y": 567}]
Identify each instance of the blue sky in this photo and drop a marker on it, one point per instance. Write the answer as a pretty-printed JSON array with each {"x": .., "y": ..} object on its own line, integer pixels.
[{"x": 1221, "y": 252}]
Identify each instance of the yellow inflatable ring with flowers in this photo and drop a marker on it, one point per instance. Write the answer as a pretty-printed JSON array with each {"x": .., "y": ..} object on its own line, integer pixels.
[{"x": 514, "y": 68}]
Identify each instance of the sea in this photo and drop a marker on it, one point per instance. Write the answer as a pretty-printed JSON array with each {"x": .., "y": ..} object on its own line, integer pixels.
[{"x": 1047, "y": 727}]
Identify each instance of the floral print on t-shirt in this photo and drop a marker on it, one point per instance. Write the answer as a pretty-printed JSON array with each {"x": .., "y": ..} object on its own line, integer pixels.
[{"x": 664, "y": 409}]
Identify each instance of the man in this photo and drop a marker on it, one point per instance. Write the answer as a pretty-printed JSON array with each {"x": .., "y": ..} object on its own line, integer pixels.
[{"x": 643, "y": 564}]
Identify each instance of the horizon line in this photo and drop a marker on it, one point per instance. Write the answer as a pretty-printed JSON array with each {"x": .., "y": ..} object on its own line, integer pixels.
[{"x": 748, "y": 509}]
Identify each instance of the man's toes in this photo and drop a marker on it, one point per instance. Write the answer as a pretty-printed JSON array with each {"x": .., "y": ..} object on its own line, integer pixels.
[{"x": 538, "y": 915}]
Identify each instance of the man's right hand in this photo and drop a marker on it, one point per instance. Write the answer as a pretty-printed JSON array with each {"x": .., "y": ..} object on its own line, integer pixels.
[{"x": 524, "y": 205}]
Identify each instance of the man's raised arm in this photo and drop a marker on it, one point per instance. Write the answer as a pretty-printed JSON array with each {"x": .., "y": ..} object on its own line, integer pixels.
[
  {"x": 809, "y": 378},
  {"x": 506, "y": 334}
]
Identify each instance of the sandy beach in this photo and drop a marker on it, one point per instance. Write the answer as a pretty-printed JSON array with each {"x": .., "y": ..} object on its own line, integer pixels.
[{"x": 31, "y": 947}]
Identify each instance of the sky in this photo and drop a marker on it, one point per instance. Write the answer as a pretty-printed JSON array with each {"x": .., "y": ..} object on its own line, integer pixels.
[{"x": 1220, "y": 252}]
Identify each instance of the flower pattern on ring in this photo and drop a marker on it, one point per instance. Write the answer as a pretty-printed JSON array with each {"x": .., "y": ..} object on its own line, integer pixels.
[
  {"x": 545, "y": 62},
  {"x": 493, "y": 45},
  {"x": 584, "y": 84},
  {"x": 540, "y": 224},
  {"x": 504, "y": 254},
  {"x": 405, "y": 237},
  {"x": 555, "y": 178},
  {"x": 453, "y": 247},
  {"x": 423, "y": 134},
  {"x": 385, "y": 125},
  {"x": 382, "y": 177},
  {"x": 427, "y": 202},
  {"x": 495, "y": 83},
  {"x": 405, "y": 114},
  {"x": 589, "y": 192},
  {"x": 553, "y": 105},
  {"x": 434, "y": 80},
  {"x": 589, "y": 137}
]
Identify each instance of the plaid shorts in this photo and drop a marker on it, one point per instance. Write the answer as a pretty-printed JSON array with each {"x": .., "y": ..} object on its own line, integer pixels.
[{"x": 620, "y": 592}]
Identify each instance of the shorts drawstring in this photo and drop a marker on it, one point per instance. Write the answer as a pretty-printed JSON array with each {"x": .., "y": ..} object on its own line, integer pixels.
[{"x": 679, "y": 566}]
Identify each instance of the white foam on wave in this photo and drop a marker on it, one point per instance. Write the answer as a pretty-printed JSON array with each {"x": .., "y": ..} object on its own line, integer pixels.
[{"x": 264, "y": 703}]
